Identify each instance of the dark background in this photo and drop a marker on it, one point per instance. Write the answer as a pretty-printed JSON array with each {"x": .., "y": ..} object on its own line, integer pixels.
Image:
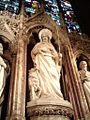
[{"x": 82, "y": 11}]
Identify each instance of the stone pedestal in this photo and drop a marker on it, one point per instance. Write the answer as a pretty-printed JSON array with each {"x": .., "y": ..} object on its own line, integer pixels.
[{"x": 49, "y": 109}]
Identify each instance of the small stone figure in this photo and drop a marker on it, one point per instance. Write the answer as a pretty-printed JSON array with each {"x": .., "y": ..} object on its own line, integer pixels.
[
  {"x": 4, "y": 72},
  {"x": 85, "y": 78}
]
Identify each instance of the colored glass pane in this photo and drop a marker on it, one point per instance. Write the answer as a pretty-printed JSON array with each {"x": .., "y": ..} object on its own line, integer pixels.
[
  {"x": 10, "y": 5},
  {"x": 52, "y": 9},
  {"x": 31, "y": 6},
  {"x": 69, "y": 17}
]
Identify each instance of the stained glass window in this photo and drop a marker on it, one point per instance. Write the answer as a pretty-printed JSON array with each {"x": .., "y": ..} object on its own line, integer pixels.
[
  {"x": 10, "y": 5},
  {"x": 52, "y": 9},
  {"x": 31, "y": 6},
  {"x": 69, "y": 17}
]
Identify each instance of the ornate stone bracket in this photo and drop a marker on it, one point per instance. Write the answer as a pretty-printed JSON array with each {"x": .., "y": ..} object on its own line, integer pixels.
[{"x": 50, "y": 110}]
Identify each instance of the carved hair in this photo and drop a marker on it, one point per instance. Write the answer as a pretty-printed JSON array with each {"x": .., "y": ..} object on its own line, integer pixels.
[{"x": 81, "y": 63}]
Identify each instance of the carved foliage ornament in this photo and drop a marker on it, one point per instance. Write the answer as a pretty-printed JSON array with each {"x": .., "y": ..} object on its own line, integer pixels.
[
  {"x": 50, "y": 110},
  {"x": 9, "y": 23}
]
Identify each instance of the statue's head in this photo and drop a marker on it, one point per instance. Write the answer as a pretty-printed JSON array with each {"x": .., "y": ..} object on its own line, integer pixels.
[
  {"x": 83, "y": 65},
  {"x": 45, "y": 35},
  {"x": 1, "y": 48}
]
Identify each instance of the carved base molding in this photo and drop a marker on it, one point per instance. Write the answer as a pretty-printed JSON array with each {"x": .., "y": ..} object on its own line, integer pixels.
[
  {"x": 15, "y": 117},
  {"x": 49, "y": 117},
  {"x": 49, "y": 112}
]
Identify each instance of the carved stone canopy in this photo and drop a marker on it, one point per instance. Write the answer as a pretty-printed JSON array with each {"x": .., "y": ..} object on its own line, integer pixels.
[{"x": 40, "y": 21}]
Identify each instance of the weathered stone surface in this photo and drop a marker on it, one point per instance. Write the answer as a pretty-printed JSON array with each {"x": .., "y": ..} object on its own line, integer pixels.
[
  {"x": 49, "y": 109},
  {"x": 50, "y": 117}
]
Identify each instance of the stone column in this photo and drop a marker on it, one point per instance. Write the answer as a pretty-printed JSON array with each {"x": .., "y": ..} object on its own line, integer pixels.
[
  {"x": 11, "y": 86},
  {"x": 69, "y": 86},
  {"x": 18, "y": 82},
  {"x": 74, "y": 85}
]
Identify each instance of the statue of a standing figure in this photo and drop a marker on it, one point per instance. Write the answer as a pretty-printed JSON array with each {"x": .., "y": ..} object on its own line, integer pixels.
[
  {"x": 85, "y": 78},
  {"x": 44, "y": 77},
  {"x": 4, "y": 72}
]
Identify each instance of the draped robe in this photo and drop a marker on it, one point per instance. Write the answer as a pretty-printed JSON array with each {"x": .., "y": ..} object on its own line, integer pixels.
[
  {"x": 45, "y": 75},
  {"x": 3, "y": 75},
  {"x": 85, "y": 78},
  {"x": 2, "y": 79}
]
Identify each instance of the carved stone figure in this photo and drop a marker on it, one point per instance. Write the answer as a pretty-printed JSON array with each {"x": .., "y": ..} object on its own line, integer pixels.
[
  {"x": 4, "y": 72},
  {"x": 45, "y": 75},
  {"x": 85, "y": 78}
]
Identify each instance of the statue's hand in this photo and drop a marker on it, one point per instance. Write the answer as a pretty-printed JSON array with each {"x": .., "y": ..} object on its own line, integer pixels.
[
  {"x": 5, "y": 66},
  {"x": 60, "y": 55},
  {"x": 56, "y": 58},
  {"x": 60, "y": 59},
  {"x": 85, "y": 79}
]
